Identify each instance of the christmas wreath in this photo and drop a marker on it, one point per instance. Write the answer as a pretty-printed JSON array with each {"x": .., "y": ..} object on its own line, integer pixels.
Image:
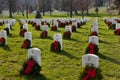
[
  {"x": 55, "y": 46},
  {"x": 22, "y": 32},
  {"x": 117, "y": 32},
  {"x": 26, "y": 44},
  {"x": 94, "y": 34},
  {"x": 91, "y": 73},
  {"x": 34, "y": 24},
  {"x": 67, "y": 34},
  {"x": 7, "y": 30},
  {"x": 66, "y": 23},
  {"x": 48, "y": 24},
  {"x": 30, "y": 67},
  {"x": 78, "y": 24},
  {"x": 54, "y": 28},
  {"x": 61, "y": 24},
  {"x": 73, "y": 28},
  {"x": 2, "y": 41},
  {"x": 92, "y": 49},
  {"x": 37, "y": 27},
  {"x": 42, "y": 23},
  {"x": 44, "y": 34}
]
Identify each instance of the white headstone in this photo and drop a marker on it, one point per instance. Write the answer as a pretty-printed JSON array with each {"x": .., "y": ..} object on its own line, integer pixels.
[
  {"x": 3, "y": 34},
  {"x": 25, "y": 26},
  {"x": 90, "y": 59},
  {"x": 94, "y": 40},
  {"x": 68, "y": 28},
  {"x": 35, "y": 53},
  {"x": 74, "y": 24},
  {"x": 117, "y": 26},
  {"x": 55, "y": 23},
  {"x": 28, "y": 35},
  {"x": 45, "y": 28},
  {"x": 58, "y": 37},
  {"x": 94, "y": 29}
]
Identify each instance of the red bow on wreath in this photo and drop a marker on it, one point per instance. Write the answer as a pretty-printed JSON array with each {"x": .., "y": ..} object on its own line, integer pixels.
[
  {"x": 26, "y": 44},
  {"x": 44, "y": 34},
  {"x": 54, "y": 28},
  {"x": 67, "y": 33},
  {"x": 117, "y": 32},
  {"x": 91, "y": 48},
  {"x": 22, "y": 32},
  {"x": 91, "y": 73},
  {"x": 30, "y": 65},
  {"x": 2, "y": 41},
  {"x": 94, "y": 33},
  {"x": 56, "y": 45}
]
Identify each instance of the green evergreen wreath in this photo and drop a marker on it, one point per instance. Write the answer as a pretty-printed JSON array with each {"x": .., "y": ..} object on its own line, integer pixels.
[
  {"x": 98, "y": 75},
  {"x": 2, "y": 41},
  {"x": 35, "y": 69}
]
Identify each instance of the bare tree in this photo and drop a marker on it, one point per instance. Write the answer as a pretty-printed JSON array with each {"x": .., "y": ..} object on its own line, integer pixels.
[
  {"x": 117, "y": 3},
  {"x": 67, "y": 5}
]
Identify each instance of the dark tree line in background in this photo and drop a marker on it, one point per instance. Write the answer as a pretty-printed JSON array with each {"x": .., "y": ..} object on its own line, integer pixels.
[
  {"x": 117, "y": 3},
  {"x": 69, "y": 6}
]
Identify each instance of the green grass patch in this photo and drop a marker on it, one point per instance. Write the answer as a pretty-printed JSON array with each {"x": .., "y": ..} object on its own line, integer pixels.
[{"x": 64, "y": 65}]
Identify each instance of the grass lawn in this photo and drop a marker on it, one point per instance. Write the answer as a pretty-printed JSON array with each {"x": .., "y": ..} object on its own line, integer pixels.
[{"x": 67, "y": 64}]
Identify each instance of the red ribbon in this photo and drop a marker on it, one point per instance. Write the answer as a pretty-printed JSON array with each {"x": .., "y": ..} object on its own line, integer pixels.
[
  {"x": 94, "y": 33},
  {"x": 91, "y": 47},
  {"x": 25, "y": 44},
  {"x": 118, "y": 32},
  {"x": 44, "y": 33},
  {"x": 54, "y": 28},
  {"x": 23, "y": 31},
  {"x": 30, "y": 65},
  {"x": 1, "y": 40},
  {"x": 67, "y": 33},
  {"x": 56, "y": 43},
  {"x": 91, "y": 73}
]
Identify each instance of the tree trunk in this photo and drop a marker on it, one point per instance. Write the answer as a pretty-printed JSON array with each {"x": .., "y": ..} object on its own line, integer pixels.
[
  {"x": 71, "y": 9},
  {"x": 10, "y": 9},
  {"x": 27, "y": 9},
  {"x": 76, "y": 12},
  {"x": 70, "y": 13},
  {"x": 38, "y": 15},
  {"x": 43, "y": 11},
  {"x": 82, "y": 13},
  {"x": 50, "y": 13},
  {"x": 87, "y": 11}
]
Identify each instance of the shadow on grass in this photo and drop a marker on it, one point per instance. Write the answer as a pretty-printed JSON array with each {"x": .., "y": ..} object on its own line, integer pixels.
[
  {"x": 36, "y": 77},
  {"x": 49, "y": 37},
  {"x": 101, "y": 41},
  {"x": 64, "y": 53},
  {"x": 10, "y": 35},
  {"x": 39, "y": 77},
  {"x": 60, "y": 16},
  {"x": 109, "y": 59},
  {"x": 7, "y": 48},
  {"x": 72, "y": 39},
  {"x": 78, "y": 32}
]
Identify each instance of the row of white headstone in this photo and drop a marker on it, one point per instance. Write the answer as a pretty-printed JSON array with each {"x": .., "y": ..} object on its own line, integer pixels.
[
  {"x": 8, "y": 23},
  {"x": 89, "y": 59},
  {"x": 113, "y": 21},
  {"x": 38, "y": 21},
  {"x": 35, "y": 53}
]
